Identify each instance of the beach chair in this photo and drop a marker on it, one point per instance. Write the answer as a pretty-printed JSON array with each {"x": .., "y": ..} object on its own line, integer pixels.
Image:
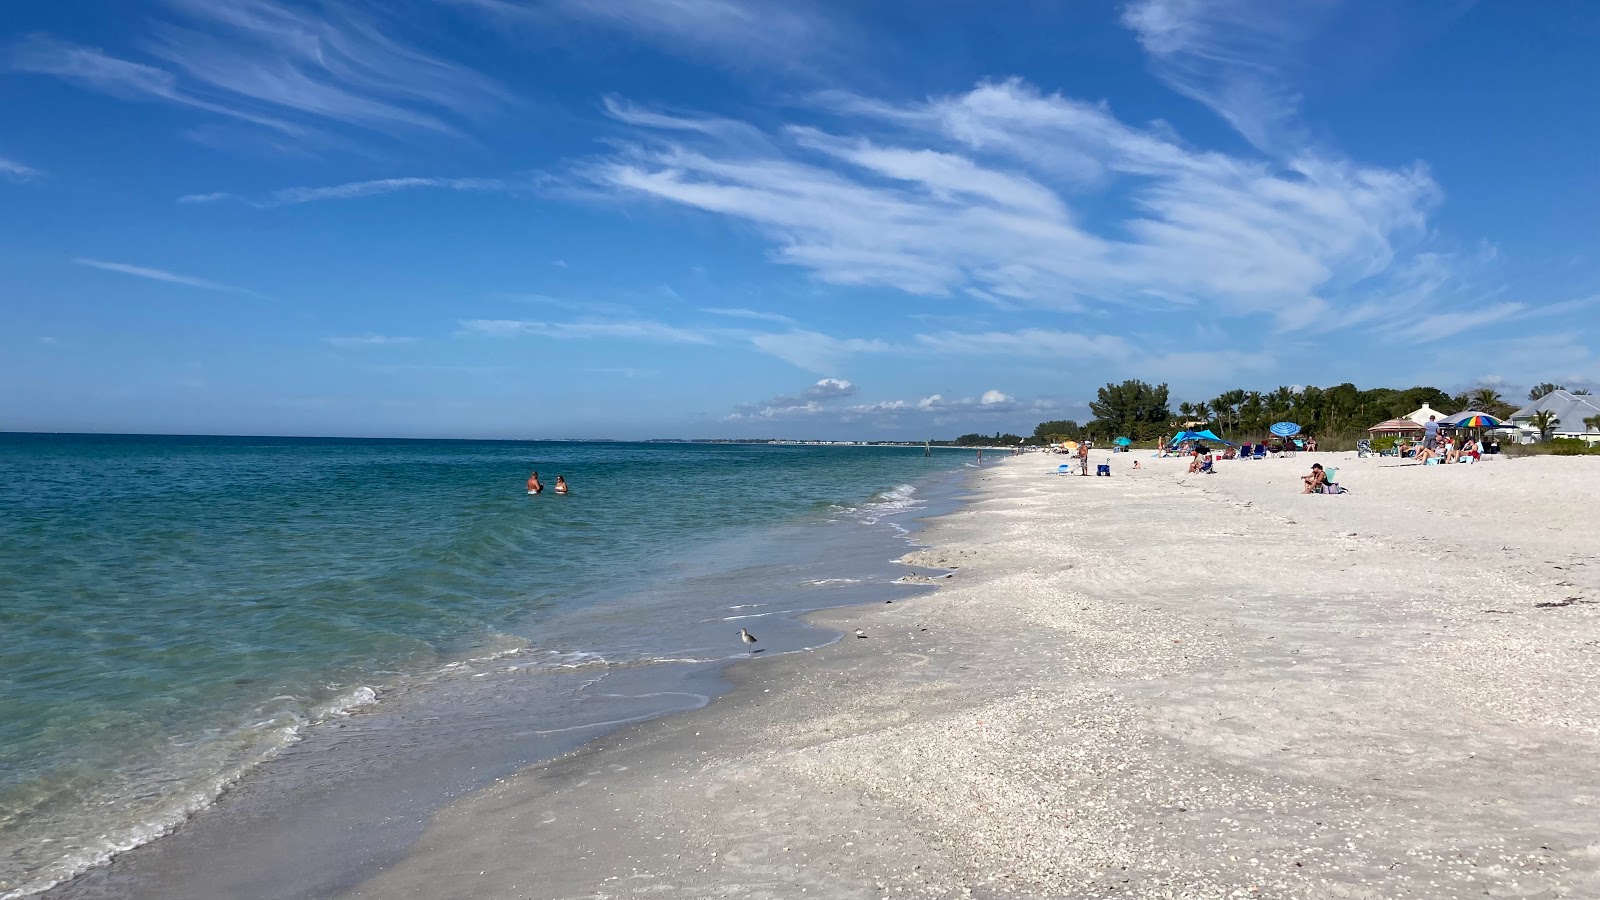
[
  {"x": 1261, "y": 451},
  {"x": 1363, "y": 448},
  {"x": 1207, "y": 469}
]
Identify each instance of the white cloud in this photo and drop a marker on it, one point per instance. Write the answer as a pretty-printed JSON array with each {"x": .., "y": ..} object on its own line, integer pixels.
[
  {"x": 814, "y": 351},
  {"x": 1441, "y": 325},
  {"x": 812, "y": 400},
  {"x": 637, "y": 330},
  {"x": 975, "y": 193},
  {"x": 1235, "y": 56},
  {"x": 279, "y": 67},
  {"x": 10, "y": 168},
  {"x": 352, "y": 190},
  {"x": 750, "y": 314},
  {"x": 748, "y": 32},
  {"x": 203, "y": 199},
  {"x": 935, "y": 405},
  {"x": 369, "y": 340},
  {"x": 163, "y": 275}
]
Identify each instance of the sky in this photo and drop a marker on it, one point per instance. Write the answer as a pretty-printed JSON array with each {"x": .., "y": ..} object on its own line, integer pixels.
[{"x": 733, "y": 218}]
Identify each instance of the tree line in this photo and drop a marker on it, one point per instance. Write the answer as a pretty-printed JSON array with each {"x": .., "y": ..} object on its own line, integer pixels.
[{"x": 1141, "y": 411}]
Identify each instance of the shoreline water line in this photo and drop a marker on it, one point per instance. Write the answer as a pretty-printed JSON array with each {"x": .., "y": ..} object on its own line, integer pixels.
[{"x": 407, "y": 702}]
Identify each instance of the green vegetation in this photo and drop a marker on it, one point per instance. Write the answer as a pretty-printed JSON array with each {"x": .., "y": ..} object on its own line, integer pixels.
[
  {"x": 1545, "y": 421},
  {"x": 1337, "y": 415},
  {"x": 1131, "y": 409},
  {"x": 984, "y": 440}
]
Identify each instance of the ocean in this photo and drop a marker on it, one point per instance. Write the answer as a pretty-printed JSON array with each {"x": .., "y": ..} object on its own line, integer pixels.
[{"x": 313, "y": 621}]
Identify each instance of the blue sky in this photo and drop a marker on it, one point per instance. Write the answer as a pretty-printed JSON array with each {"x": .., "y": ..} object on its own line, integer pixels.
[{"x": 625, "y": 218}]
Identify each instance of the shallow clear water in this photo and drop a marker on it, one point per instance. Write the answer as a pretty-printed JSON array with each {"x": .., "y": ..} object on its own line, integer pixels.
[{"x": 174, "y": 610}]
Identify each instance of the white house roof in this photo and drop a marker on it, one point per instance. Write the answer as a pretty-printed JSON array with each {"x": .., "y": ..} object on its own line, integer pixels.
[
  {"x": 1421, "y": 416},
  {"x": 1571, "y": 409}
]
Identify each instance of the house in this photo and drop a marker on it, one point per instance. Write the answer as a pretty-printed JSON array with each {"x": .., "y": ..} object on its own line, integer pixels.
[
  {"x": 1420, "y": 416},
  {"x": 1569, "y": 408}
]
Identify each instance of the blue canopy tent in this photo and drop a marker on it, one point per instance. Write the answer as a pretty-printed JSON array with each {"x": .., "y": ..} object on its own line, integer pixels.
[{"x": 1203, "y": 435}]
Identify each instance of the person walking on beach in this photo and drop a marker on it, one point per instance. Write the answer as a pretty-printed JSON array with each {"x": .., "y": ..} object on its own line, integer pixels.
[
  {"x": 1430, "y": 434},
  {"x": 535, "y": 486},
  {"x": 561, "y": 485}
]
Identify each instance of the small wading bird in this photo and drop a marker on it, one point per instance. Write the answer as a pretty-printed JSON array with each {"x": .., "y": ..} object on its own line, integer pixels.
[
  {"x": 860, "y": 633},
  {"x": 748, "y": 638}
]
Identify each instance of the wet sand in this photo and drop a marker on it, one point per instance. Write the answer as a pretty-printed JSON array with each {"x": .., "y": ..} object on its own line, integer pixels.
[{"x": 1150, "y": 685}]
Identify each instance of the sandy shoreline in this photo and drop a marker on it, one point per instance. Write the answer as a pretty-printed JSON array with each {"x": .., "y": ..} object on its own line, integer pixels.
[{"x": 1153, "y": 685}]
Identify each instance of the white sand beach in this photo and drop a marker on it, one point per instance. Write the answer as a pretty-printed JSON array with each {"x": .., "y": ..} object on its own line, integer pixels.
[{"x": 1153, "y": 685}]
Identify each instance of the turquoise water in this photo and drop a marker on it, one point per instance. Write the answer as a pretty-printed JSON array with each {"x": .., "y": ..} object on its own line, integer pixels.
[{"x": 174, "y": 610}]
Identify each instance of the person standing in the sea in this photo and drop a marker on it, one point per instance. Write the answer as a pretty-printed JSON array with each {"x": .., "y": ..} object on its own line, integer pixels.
[
  {"x": 534, "y": 484},
  {"x": 561, "y": 485}
]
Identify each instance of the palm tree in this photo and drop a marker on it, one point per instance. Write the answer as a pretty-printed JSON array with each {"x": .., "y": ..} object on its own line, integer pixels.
[
  {"x": 1202, "y": 412},
  {"x": 1484, "y": 399},
  {"x": 1579, "y": 392},
  {"x": 1592, "y": 423},
  {"x": 1545, "y": 421},
  {"x": 1542, "y": 389}
]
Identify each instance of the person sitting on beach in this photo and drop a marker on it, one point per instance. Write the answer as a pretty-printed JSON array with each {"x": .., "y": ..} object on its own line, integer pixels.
[
  {"x": 1452, "y": 450},
  {"x": 1315, "y": 480},
  {"x": 534, "y": 484},
  {"x": 1311, "y": 445},
  {"x": 561, "y": 485},
  {"x": 1424, "y": 453}
]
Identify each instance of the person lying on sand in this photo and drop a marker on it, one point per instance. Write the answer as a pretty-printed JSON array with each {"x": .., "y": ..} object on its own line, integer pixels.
[{"x": 1315, "y": 480}]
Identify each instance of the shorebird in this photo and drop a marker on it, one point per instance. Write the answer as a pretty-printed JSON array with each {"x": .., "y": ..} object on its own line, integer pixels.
[
  {"x": 860, "y": 633},
  {"x": 748, "y": 638}
]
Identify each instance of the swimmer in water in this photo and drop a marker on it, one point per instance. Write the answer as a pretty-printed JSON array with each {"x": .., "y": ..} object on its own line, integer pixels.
[
  {"x": 534, "y": 484},
  {"x": 561, "y": 485}
]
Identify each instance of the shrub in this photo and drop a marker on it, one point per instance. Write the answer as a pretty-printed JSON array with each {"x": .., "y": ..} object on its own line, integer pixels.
[{"x": 1569, "y": 447}]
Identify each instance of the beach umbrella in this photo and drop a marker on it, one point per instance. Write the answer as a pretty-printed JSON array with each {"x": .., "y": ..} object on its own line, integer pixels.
[
  {"x": 1123, "y": 442},
  {"x": 1479, "y": 420},
  {"x": 1284, "y": 429}
]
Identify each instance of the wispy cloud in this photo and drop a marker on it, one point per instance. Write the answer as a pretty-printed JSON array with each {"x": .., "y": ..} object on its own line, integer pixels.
[
  {"x": 975, "y": 194},
  {"x": 279, "y": 67},
  {"x": 752, "y": 314},
  {"x": 1236, "y": 56},
  {"x": 352, "y": 190},
  {"x": 369, "y": 340},
  {"x": 814, "y": 351},
  {"x": 168, "y": 277},
  {"x": 744, "y": 32},
  {"x": 10, "y": 168},
  {"x": 636, "y": 330}
]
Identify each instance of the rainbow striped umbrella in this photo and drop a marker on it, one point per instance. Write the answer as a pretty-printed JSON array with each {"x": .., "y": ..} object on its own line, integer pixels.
[{"x": 1479, "y": 420}]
